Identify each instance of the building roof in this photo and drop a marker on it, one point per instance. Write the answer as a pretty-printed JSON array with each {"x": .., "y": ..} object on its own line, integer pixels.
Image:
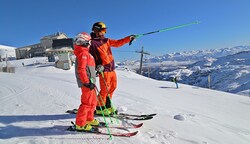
[
  {"x": 7, "y": 47},
  {"x": 54, "y": 36},
  {"x": 28, "y": 46}
]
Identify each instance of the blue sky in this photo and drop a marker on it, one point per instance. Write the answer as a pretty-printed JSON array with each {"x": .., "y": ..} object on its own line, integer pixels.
[{"x": 224, "y": 23}]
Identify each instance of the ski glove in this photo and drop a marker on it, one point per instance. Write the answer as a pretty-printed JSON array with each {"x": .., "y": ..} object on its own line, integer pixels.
[
  {"x": 100, "y": 68},
  {"x": 132, "y": 38},
  {"x": 90, "y": 85}
]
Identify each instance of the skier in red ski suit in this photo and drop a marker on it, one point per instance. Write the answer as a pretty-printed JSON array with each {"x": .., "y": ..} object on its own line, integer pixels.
[{"x": 86, "y": 77}]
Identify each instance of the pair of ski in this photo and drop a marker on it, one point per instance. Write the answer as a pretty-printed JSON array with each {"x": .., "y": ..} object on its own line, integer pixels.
[
  {"x": 96, "y": 129},
  {"x": 120, "y": 116},
  {"x": 123, "y": 115}
]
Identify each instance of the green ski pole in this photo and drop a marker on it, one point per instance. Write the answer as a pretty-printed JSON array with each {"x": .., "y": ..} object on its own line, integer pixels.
[
  {"x": 110, "y": 136},
  {"x": 104, "y": 108},
  {"x": 163, "y": 30},
  {"x": 102, "y": 101},
  {"x": 109, "y": 96}
]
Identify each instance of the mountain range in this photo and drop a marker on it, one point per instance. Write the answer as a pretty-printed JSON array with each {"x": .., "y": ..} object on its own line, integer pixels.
[{"x": 227, "y": 69}]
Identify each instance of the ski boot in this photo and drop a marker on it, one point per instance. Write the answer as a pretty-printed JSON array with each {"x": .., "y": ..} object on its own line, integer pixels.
[
  {"x": 86, "y": 128},
  {"x": 94, "y": 122},
  {"x": 112, "y": 110},
  {"x": 106, "y": 112}
]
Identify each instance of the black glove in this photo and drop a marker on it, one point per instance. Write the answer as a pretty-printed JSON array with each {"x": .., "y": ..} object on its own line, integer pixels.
[
  {"x": 132, "y": 38},
  {"x": 90, "y": 85}
]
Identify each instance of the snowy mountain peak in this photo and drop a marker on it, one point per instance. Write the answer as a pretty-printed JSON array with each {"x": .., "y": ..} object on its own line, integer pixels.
[
  {"x": 228, "y": 68},
  {"x": 199, "y": 54}
]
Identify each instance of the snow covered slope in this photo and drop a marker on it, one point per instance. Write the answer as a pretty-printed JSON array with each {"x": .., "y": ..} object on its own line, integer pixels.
[
  {"x": 34, "y": 100},
  {"x": 228, "y": 67}
]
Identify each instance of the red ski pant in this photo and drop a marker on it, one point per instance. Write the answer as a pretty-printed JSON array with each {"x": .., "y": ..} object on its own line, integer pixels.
[
  {"x": 87, "y": 107},
  {"x": 108, "y": 84}
]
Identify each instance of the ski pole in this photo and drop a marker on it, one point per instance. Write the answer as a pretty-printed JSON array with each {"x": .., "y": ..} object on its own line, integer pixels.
[
  {"x": 163, "y": 30},
  {"x": 111, "y": 103},
  {"x": 103, "y": 106},
  {"x": 110, "y": 136},
  {"x": 102, "y": 102}
]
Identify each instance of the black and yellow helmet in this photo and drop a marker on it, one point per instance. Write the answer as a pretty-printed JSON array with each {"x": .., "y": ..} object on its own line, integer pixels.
[{"x": 99, "y": 26}]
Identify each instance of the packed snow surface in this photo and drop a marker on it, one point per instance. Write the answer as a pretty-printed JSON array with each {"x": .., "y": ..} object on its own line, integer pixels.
[{"x": 34, "y": 100}]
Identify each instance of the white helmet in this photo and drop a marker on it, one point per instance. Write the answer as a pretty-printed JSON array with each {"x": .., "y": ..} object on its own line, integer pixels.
[{"x": 82, "y": 38}]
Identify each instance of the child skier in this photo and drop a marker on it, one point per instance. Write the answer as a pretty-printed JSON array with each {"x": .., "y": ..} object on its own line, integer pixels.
[{"x": 86, "y": 77}]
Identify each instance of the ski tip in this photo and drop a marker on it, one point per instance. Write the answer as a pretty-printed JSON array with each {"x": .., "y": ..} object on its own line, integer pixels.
[
  {"x": 130, "y": 134},
  {"x": 134, "y": 133},
  {"x": 148, "y": 118},
  {"x": 153, "y": 114},
  {"x": 140, "y": 118},
  {"x": 138, "y": 125},
  {"x": 144, "y": 118}
]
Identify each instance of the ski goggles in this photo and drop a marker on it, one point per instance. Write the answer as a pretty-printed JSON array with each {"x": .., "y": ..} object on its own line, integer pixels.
[
  {"x": 104, "y": 30},
  {"x": 88, "y": 42},
  {"x": 82, "y": 42}
]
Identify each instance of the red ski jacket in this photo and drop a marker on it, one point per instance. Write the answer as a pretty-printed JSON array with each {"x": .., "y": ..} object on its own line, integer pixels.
[{"x": 84, "y": 66}]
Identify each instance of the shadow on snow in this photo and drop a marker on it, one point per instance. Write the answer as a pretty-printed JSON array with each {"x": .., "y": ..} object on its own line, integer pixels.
[
  {"x": 11, "y": 131},
  {"x": 8, "y": 119}
]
